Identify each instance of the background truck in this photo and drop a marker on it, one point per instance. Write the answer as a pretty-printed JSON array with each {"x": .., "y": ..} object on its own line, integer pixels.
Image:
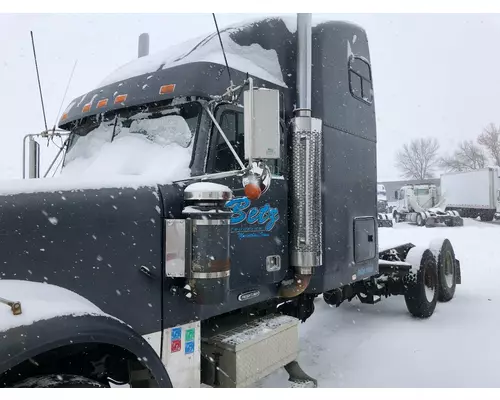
[
  {"x": 473, "y": 193},
  {"x": 200, "y": 270},
  {"x": 384, "y": 215},
  {"x": 421, "y": 205}
]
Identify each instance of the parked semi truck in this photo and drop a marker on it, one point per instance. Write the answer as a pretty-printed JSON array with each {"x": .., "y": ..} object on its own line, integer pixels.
[
  {"x": 421, "y": 204},
  {"x": 202, "y": 278},
  {"x": 473, "y": 193},
  {"x": 384, "y": 215}
]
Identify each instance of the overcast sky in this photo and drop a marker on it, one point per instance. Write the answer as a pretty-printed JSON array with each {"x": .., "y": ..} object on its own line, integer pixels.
[{"x": 434, "y": 74}]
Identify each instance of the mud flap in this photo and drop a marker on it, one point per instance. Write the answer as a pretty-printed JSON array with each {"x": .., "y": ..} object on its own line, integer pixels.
[
  {"x": 298, "y": 377},
  {"x": 430, "y": 222},
  {"x": 458, "y": 221},
  {"x": 383, "y": 221}
]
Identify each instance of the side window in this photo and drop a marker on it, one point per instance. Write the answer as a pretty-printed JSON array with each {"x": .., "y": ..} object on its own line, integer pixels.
[
  {"x": 360, "y": 79},
  {"x": 221, "y": 158},
  {"x": 231, "y": 122}
]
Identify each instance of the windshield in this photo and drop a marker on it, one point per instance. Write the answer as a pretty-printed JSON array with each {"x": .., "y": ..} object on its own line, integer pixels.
[
  {"x": 156, "y": 142},
  {"x": 421, "y": 191}
]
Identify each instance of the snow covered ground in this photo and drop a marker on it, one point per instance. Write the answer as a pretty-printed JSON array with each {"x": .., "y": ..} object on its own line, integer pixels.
[{"x": 381, "y": 345}]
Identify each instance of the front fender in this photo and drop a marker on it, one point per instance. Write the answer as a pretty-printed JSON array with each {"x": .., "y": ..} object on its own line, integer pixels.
[
  {"x": 53, "y": 317},
  {"x": 40, "y": 301},
  {"x": 27, "y": 341}
]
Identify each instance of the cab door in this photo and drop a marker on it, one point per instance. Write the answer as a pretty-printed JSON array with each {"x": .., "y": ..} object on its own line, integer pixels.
[{"x": 259, "y": 229}]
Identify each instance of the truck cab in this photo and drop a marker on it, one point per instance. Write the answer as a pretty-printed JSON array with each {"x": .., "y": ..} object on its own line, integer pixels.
[
  {"x": 202, "y": 208},
  {"x": 420, "y": 204},
  {"x": 424, "y": 195}
]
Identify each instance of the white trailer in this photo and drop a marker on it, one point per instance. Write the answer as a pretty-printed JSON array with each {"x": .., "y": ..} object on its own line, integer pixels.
[{"x": 473, "y": 193}]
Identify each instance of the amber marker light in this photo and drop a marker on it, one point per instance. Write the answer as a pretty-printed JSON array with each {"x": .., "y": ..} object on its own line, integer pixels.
[
  {"x": 102, "y": 103},
  {"x": 166, "y": 89},
  {"x": 120, "y": 98},
  {"x": 252, "y": 191}
]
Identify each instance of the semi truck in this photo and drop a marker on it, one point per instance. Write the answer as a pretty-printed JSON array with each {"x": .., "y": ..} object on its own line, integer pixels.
[
  {"x": 420, "y": 204},
  {"x": 473, "y": 193},
  {"x": 260, "y": 196},
  {"x": 384, "y": 216}
]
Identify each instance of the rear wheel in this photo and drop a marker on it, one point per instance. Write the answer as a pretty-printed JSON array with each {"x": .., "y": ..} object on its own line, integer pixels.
[
  {"x": 446, "y": 272},
  {"x": 490, "y": 215},
  {"x": 60, "y": 381},
  {"x": 420, "y": 220},
  {"x": 421, "y": 292}
]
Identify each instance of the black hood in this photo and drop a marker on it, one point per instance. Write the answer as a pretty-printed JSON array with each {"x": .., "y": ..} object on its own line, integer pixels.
[{"x": 93, "y": 242}]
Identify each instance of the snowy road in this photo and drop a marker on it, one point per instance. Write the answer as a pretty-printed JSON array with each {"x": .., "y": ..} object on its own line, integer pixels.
[{"x": 381, "y": 345}]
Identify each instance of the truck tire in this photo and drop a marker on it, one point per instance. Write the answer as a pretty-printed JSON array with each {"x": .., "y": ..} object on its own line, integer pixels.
[
  {"x": 396, "y": 217},
  {"x": 420, "y": 220},
  {"x": 59, "y": 381},
  {"x": 490, "y": 215},
  {"x": 421, "y": 294},
  {"x": 446, "y": 272}
]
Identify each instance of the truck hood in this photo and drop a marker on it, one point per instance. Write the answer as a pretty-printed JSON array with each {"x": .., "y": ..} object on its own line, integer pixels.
[{"x": 92, "y": 242}]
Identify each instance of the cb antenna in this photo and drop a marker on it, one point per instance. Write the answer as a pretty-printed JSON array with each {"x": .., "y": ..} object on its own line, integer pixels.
[
  {"x": 64, "y": 97},
  {"x": 39, "y": 84},
  {"x": 223, "y": 51}
]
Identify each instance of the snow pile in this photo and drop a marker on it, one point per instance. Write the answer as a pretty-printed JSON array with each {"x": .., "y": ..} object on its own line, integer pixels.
[
  {"x": 40, "y": 302},
  {"x": 252, "y": 59}
]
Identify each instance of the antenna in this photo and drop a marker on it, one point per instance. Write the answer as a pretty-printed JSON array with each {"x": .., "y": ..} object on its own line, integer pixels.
[
  {"x": 64, "y": 97},
  {"x": 223, "y": 51},
  {"x": 39, "y": 84}
]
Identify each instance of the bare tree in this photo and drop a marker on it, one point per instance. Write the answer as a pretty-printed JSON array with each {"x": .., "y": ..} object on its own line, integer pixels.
[
  {"x": 468, "y": 156},
  {"x": 418, "y": 159},
  {"x": 490, "y": 140}
]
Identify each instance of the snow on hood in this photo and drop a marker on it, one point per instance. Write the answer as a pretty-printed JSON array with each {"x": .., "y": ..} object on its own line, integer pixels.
[
  {"x": 252, "y": 59},
  {"x": 40, "y": 302}
]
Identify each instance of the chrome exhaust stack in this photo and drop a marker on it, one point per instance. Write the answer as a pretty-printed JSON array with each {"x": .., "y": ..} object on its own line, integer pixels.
[{"x": 306, "y": 163}]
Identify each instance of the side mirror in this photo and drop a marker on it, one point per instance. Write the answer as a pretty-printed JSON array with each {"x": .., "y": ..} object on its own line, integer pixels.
[
  {"x": 262, "y": 124},
  {"x": 396, "y": 195},
  {"x": 262, "y": 137}
]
